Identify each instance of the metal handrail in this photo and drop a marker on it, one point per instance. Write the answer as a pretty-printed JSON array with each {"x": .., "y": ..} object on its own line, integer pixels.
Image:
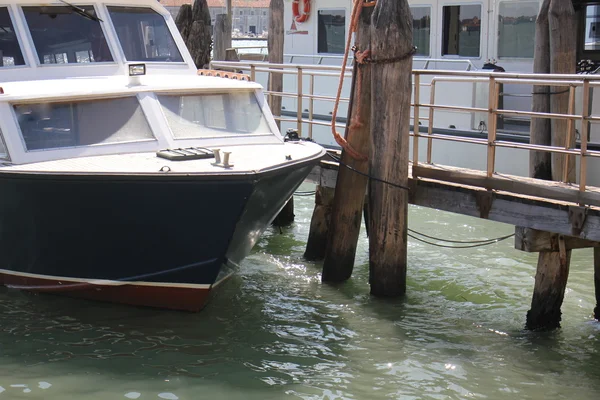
[{"x": 493, "y": 79}]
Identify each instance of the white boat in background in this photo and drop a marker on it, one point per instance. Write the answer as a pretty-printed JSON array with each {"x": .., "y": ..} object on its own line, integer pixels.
[{"x": 125, "y": 175}]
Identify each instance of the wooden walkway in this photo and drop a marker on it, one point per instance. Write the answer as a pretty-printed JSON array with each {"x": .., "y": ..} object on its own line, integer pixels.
[{"x": 524, "y": 202}]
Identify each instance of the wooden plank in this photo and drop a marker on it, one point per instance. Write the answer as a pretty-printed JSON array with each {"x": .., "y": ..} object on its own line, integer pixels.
[
  {"x": 533, "y": 241},
  {"x": 391, "y": 37},
  {"x": 514, "y": 209},
  {"x": 513, "y": 184},
  {"x": 350, "y": 187}
]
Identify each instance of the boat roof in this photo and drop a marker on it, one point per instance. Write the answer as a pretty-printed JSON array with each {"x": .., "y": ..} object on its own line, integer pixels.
[
  {"x": 111, "y": 86},
  {"x": 27, "y": 25}
]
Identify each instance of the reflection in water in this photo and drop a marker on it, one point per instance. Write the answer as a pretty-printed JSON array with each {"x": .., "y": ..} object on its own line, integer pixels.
[{"x": 275, "y": 330}]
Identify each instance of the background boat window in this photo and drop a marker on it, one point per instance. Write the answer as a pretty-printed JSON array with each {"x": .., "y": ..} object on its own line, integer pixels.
[
  {"x": 226, "y": 114},
  {"x": 421, "y": 29},
  {"x": 10, "y": 51},
  {"x": 592, "y": 28},
  {"x": 461, "y": 33},
  {"x": 144, "y": 34},
  {"x": 3, "y": 152},
  {"x": 64, "y": 35},
  {"x": 331, "y": 31},
  {"x": 82, "y": 123},
  {"x": 516, "y": 29}
]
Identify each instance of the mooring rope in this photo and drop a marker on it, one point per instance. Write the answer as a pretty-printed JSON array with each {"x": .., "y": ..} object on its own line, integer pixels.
[
  {"x": 467, "y": 243},
  {"x": 355, "y": 122}
]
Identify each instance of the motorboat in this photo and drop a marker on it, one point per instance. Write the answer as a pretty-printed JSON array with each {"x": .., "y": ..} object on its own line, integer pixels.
[{"x": 125, "y": 174}]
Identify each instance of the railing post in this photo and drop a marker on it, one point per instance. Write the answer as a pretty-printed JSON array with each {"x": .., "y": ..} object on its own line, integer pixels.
[
  {"x": 416, "y": 120},
  {"x": 299, "y": 110},
  {"x": 570, "y": 111},
  {"x": 584, "y": 135},
  {"x": 311, "y": 104},
  {"x": 430, "y": 125},
  {"x": 253, "y": 72},
  {"x": 492, "y": 123}
]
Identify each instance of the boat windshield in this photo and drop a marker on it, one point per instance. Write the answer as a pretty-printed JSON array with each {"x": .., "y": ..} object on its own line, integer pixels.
[
  {"x": 10, "y": 52},
  {"x": 82, "y": 123},
  {"x": 144, "y": 35},
  {"x": 210, "y": 115},
  {"x": 64, "y": 35}
]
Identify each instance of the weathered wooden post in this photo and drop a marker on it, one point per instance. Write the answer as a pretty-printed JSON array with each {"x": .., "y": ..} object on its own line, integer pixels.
[
  {"x": 540, "y": 162},
  {"x": 275, "y": 48},
  {"x": 194, "y": 26},
  {"x": 392, "y": 49},
  {"x": 549, "y": 292},
  {"x": 597, "y": 281},
  {"x": 350, "y": 188},
  {"x": 553, "y": 266},
  {"x": 222, "y": 37},
  {"x": 319, "y": 224},
  {"x": 563, "y": 40}
]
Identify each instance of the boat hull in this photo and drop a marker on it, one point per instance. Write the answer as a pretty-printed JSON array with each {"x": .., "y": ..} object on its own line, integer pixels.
[{"x": 142, "y": 240}]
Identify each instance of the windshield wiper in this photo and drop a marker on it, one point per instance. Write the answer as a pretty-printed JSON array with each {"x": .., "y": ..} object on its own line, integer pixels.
[{"x": 82, "y": 12}]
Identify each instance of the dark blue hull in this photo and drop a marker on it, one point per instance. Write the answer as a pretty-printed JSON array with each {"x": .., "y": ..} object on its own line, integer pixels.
[{"x": 155, "y": 235}]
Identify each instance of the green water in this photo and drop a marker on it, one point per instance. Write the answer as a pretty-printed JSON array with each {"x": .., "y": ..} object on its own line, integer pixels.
[{"x": 274, "y": 331}]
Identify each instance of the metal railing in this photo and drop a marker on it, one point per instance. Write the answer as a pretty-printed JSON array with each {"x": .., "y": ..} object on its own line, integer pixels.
[{"x": 494, "y": 80}]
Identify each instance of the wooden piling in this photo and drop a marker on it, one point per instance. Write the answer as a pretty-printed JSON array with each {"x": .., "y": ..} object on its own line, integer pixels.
[
  {"x": 351, "y": 187},
  {"x": 319, "y": 224},
  {"x": 194, "y": 26},
  {"x": 597, "y": 281},
  {"x": 550, "y": 283},
  {"x": 275, "y": 47},
  {"x": 391, "y": 47},
  {"x": 540, "y": 162},
  {"x": 222, "y": 37},
  {"x": 563, "y": 39}
]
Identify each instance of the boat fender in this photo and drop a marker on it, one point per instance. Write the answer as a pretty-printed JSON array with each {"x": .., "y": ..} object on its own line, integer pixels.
[{"x": 298, "y": 17}]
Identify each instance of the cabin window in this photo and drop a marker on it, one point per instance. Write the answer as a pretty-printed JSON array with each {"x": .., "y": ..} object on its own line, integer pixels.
[
  {"x": 210, "y": 115},
  {"x": 592, "y": 28},
  {"x": 10, "y": 51},
  {"x": 67, "y": 35},
  {"x": 421, "y": 29},
  {"x": 461, "y": 33},
  {"x": 82, "y": 123},
  {"x": 331, "y": 31},
  {"x": 516, "y": 29},
  {"x": 144, "y": 34}
]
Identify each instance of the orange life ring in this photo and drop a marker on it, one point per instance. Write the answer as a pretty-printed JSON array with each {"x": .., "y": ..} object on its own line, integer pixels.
[{"x": 305, "y": 10}]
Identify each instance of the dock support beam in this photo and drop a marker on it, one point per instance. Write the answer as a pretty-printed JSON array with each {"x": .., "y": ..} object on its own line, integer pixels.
[
  {"x": 319, "y": 224},
  {"x": 350, "y": 187},
  {"x": 391, "y": 80},
  {"x": 549, "y": 291}
]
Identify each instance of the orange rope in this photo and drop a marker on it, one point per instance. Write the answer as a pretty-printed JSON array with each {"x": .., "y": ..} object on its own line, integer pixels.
[{"x": 360, "y": 57}]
